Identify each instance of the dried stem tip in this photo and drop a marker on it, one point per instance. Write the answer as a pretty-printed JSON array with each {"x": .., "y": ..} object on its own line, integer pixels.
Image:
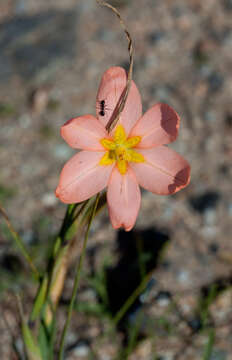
[{"x": 113, "y": 121}]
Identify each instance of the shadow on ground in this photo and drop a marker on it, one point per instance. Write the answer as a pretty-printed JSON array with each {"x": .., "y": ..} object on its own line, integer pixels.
[{"x": 139, "y": 253}]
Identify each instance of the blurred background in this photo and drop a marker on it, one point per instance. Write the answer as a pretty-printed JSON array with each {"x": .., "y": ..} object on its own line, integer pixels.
[{"x": 52, "y": 55}]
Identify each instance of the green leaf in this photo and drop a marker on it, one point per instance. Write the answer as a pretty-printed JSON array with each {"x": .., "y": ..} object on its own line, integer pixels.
[
  {"x": 44, "y": 341},
  {"x": 94, "y": 309},
  {"x": 40, "y": 299},
  {"x": 57, "y": 246},
  {"x": 33, "y": 351}
]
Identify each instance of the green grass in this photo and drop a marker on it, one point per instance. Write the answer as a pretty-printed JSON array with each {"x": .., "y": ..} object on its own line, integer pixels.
[
  {"x": 6, "y": 192},
  {"x": 209, "y": 346},
  {"x": 6, "y": 110}
]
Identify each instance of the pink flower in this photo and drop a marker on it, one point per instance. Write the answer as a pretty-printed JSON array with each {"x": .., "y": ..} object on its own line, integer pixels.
[{"x": 131, "y": 155}]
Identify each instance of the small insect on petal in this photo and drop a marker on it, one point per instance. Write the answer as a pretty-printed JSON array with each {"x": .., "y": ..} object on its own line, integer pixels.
[
  {"x": 102, "y": 108},
  {"x": 111, "y": 90}
]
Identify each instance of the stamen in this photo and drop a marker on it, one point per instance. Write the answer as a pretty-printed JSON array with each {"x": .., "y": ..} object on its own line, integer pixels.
[{"x": 120, "y": 150}]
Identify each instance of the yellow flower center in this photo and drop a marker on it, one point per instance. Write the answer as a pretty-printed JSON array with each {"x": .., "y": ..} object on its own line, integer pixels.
[{"x": 120, "y": 149}]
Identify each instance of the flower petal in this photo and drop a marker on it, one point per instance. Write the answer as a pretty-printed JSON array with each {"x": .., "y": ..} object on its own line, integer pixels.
[
  {"x": 123, "y": 198},
  {"x": 111, "y": 88},
  {"x": 158, "y": 126},
  {"x": 84, "y": 132},
  {"x": 164, "y": 171},
  {"x": 82, "y": 177}
]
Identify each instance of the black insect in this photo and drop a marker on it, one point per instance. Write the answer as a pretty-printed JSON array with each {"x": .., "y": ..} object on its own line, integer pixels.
[{"x": 102, "y": 108}]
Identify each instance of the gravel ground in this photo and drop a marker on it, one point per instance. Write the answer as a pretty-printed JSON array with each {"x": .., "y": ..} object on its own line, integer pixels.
[{"x": 52, "y": 55}]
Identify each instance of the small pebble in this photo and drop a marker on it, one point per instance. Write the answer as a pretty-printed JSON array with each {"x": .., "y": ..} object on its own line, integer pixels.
[
  {"x": 168, "y": 213},
  {"x": 210, "y": 116},
  {"x": 24, "y": 121},
  {"x": 209, "y": 231},
  {"x": 162, "y": 94},
  {"x": 29, "y": 236},
  {"x": 20, "y": 7},
  {"x": 20, "y": 346},
  {"x": 163, "y": 298},
  {"x": 218, "y": 354},
  {"x": 213, "y": 248},
  {"x": 215, "y": 81},
  {"x": 49, "y": 199},
  {"x": 62, "y": 151},
  {"x": 166, "y": 356},
  {"x": 195, "y": 324},
  {"x": 209, "y": 216},
  {"x": 183, "y": 277},
  {"x": 155, "y": 37},
  {"x": 230, "y": 209},
  {"x": 145, "y": 295},
  {"x": 81, "y": 350}
]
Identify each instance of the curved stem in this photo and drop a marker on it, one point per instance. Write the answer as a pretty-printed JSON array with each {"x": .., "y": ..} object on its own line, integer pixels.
[
  {"x": 120, "y": 106},
  {"x": 76, "y": 281}
]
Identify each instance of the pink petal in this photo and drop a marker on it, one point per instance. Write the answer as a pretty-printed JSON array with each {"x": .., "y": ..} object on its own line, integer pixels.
[
  {"x": 84, "y": 132},
  {"x": 112, "y": 85},
  {"x": 123, "y": 198},
  {"x": 164, "y": 171},
  {"x": 82, "y": 177},
  {"x": 158, "y": 126}
]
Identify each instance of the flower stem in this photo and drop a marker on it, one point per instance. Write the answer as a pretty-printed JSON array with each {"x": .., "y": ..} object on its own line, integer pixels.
[
  {"x": 19, "y": 243},
  {"x": 76, "y": 281}
]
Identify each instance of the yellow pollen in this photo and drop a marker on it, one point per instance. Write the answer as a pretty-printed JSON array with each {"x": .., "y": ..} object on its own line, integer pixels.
[{"x": 120, "y": 150}]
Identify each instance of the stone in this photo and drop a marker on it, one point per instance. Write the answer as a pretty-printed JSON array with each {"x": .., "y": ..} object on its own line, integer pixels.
[
  {"x": 213, "y": 248},
  {"x": 62, "y": 151},
  {"x": 49, "y": 199},
  {"x": 183, "y": 277},
  {"x": 163, "y": 298},
  {"x": 210, "y": 216},
  {"x": 155, "y": 36},
  {"x": 218, "y": 354},
  {"x": 215, "y": 81},
  {"x": 81, "y": 350}
]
